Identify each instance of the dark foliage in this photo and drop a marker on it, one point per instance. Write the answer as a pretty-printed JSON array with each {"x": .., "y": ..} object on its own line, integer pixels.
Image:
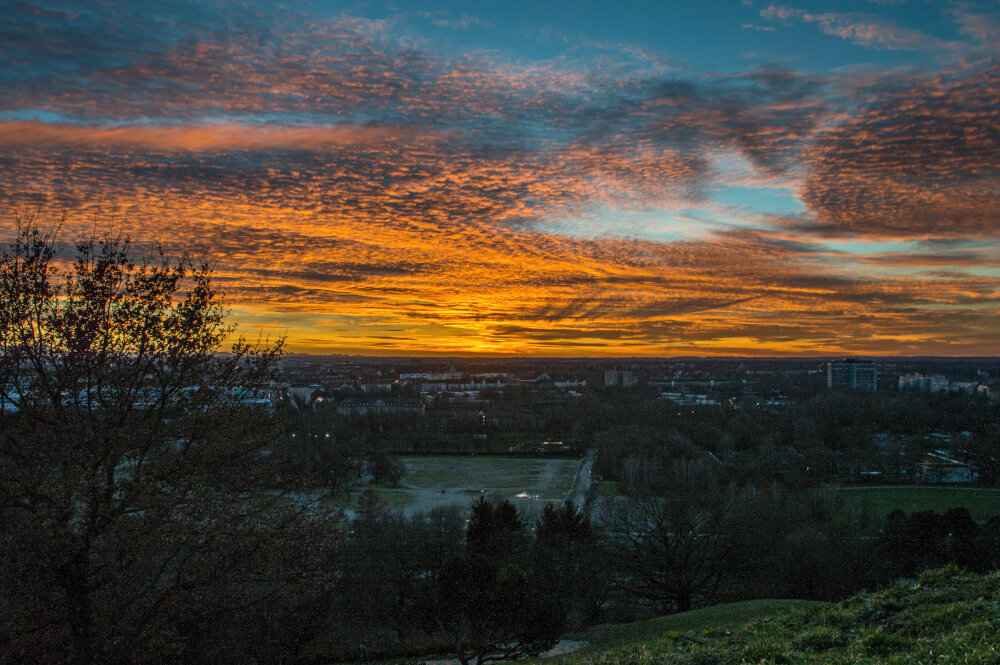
[
  {"x": 921, "y": 540},
  {"x": 128, "y": 453}
]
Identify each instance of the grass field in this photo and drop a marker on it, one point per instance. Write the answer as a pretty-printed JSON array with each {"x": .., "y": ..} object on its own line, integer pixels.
[
  {"x": 396, "y": 498},
  {"x": 433, "y": 481},
  {"x": 553, "y": 475},
  {"x": 607, "y": 488},
  {"x": 981, "y": 503}
]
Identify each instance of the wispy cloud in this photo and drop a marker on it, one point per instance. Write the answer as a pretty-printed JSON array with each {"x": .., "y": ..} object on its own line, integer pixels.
[
  {"x": 980, "y": 22},
  {"x": 860, "y": 29},
  {"x": 464, "y": 22}
]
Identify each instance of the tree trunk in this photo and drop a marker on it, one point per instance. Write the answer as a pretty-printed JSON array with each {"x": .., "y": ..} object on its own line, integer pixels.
[
  {"x": 77, "y": 589},
  {"x": 684, "y": 600}
]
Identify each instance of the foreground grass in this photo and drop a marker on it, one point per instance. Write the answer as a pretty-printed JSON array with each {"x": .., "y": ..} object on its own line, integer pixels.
[
  {"x": 728, "y": 616},
  {"x": 946, "y": 617},
  {"x": 981, "y": 503}
]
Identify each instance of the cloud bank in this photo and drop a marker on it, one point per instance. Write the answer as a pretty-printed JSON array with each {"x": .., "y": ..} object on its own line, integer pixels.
[{"x": 368, "y": 192}]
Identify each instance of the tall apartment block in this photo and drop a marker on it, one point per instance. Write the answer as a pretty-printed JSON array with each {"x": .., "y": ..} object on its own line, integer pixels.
[
  {"x": 620, "y": 377},
  {"x": 851, "y": 373}
]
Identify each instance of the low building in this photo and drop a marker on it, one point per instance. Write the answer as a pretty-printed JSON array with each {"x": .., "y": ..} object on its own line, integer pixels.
[
  {"x": 935, "y": 473},
  {"x": 940, "y": 468},
  {"x": 933, "y": 383},
  {"x": 685, "y": 399},
  {"x": 364, "y": 406}
]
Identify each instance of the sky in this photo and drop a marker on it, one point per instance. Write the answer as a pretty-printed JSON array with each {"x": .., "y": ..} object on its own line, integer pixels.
[{"x": 532, "y": 179}]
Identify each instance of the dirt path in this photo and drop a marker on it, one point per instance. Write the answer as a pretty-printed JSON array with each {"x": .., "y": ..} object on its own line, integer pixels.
[
  {"x": 546, "y": 479},
  {"x": 561, "y": 647},
  {"x": 580, "y": 489}
]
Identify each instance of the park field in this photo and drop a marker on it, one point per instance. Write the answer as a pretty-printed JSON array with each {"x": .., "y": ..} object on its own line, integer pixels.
[
  {"x": 439, "y": 480},
  {"x": 981, "y": 503}
]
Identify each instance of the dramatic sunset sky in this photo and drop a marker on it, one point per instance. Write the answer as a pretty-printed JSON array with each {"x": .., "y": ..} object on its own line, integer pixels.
[{"x": 536, "y": 178}]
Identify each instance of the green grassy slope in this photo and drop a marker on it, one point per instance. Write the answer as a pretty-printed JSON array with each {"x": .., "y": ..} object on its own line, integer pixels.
[
  {"x": 945, "y": 617},
  {"x": 731, "y": 616}
]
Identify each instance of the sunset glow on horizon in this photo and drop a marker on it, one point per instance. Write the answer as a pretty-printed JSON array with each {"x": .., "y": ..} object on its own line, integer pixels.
[{"x": 587, "y": 179}]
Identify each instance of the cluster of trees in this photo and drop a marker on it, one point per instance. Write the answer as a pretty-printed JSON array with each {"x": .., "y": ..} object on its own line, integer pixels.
[
  {"x": 494, "y": 600},
  {"x": 701, "y": 545},
  {"x": 485, "y": 584},
  {"x": 482, "y": 585},
  {"x": 829, "y": 437},
  {"x": 703, "y": 542}
]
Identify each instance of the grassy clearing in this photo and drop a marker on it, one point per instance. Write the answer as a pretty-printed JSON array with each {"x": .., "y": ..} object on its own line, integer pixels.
[
  {"x": 607, "y": 488},
  {"x": 394, "y": 498},
  {"x": 981, "y": 503},
  {"x": 946, "y": 617},
  {"x": 549, "y": 477},
  {"x": 436, "y": 481}
]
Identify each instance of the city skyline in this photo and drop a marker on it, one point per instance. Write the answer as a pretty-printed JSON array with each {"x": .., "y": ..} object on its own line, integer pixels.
[{"x": 586, "y": 179}]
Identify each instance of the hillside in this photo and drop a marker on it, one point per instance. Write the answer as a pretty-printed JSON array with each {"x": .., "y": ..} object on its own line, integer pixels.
[{"x": 947, "y": 616}]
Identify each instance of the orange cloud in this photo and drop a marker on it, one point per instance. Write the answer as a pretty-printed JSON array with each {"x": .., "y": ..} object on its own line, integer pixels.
[
  {"x": 922, "y": 163},
  {"x": 219, "y": 137},
  {"x": 369, "y": 196}
]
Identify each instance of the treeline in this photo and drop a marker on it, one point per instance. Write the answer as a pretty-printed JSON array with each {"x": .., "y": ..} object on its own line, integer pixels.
[
  {"x": 824, "y": 437},
  {"x": 830, "y": 437},
  {"x": 702, "y": 544}
]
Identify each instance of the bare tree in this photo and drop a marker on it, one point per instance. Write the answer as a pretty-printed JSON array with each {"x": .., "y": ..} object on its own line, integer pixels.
[
  {"x": 128, "y": 454},
  {"x": 671, "y": 550}
]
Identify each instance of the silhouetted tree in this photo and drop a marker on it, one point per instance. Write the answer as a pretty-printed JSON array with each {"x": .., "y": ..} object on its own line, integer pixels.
[
  {"x": 487, "y": 602},
  {"x": 922, "y": 540},
  {"x": 569, "y": 562},
  {"x": 671, "y": 550},
  {"x": 128, "y": 449},
  {"x": 389, "y": 468},
  {"x": 495, "y": 529}
]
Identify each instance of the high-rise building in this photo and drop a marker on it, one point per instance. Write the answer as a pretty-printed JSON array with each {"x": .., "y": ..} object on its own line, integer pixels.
[
  {"x": 619, "y": 377},
  {"x": 851, "y": 373}
]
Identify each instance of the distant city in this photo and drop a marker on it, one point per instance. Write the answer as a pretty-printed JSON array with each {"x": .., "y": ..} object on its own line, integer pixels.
[{"x": 353, "y": 381}]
